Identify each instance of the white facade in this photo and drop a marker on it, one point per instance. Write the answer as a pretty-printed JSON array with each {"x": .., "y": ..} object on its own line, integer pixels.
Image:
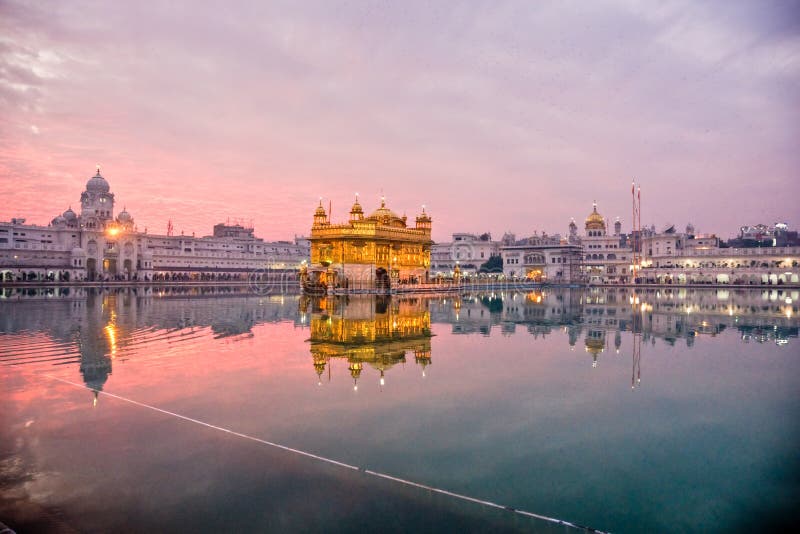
[
  {"x": 96, "y": 245},
  {"x": 672, "y": 258},
  {"x": 542, "y": 262},
  {"x": 468, "y": 251},
  {"x": 607, "y": 259}
]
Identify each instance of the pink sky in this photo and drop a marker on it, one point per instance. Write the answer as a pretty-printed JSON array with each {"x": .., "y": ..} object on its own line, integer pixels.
[{"x": 497, "y": 116}]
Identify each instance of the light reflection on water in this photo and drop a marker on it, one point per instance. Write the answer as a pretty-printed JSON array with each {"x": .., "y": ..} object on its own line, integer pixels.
[{"x": 520, "y": 398}]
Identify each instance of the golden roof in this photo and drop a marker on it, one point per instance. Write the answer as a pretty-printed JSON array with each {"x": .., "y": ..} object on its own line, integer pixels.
[
  {"x": 320, "y": 210},
  {"x": 385, "y": 215},
  {"x": 594, "y": 346},
  {"x": 595, "y": 220}
]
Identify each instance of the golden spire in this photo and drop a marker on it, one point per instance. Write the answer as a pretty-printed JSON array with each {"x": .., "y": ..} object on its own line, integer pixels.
[{"x": 356, "y": 212}]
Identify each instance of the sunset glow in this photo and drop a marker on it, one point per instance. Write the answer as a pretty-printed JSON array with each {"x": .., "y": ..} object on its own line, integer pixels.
[{"x": 516, "y": 115}]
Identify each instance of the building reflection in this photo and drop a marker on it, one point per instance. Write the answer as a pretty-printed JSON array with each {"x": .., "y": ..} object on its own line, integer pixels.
[
  {"x": 97, "y": 341},
  {"x": 374, "y": 334},
  {"x": 368, "y": 331}
]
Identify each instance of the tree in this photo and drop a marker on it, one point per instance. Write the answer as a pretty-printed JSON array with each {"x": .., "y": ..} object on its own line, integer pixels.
[{"x": 493, "y": 265}]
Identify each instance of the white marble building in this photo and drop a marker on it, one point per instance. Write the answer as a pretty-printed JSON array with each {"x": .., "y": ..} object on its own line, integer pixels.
[
  {"x": 469, "y": 251},
  {"x": 607, "y": 259},
  {"x": 542, "y": 260},
  {"x": 97, "y": 245},
  {"x": 670, "y": 257}
]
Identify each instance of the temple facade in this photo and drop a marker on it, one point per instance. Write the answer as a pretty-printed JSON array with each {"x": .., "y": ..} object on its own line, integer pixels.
[{"x": 368, "y": 252}]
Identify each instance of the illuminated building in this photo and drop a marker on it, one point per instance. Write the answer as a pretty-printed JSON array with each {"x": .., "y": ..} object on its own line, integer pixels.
[
  {"x": 366, "y": 330},
  {"x": 606, "y": 258},
  {"x": 369, "y": 252},
  {"x": 96, "y": 245},
  {"x": 670, "y": 257},
  {"x": 541, "y": 258}
]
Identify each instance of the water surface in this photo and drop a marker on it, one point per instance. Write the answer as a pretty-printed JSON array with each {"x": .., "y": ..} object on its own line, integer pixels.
[{"x": 662, "y": 410}]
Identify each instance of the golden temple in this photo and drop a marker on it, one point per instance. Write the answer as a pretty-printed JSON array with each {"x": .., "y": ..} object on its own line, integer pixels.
[
  {"x": 368, "y": 252},
  {"x": 365, "y": 330}
]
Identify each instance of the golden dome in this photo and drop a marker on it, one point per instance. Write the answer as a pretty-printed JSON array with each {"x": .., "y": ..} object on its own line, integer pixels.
[
  {"x": 386, "y": 216},
  {"x": 320, "y": 210},
  {"x": 594, "y": 346},
  {"x": 595, "y": 221}
]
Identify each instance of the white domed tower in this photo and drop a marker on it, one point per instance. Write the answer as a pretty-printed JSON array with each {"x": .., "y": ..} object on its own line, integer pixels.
[
  {"x": 573, "y": 231},
  {"x": 125, "y": 219},
  {"x": 71, "y": 217},
  {"x": 97, "y": 203}
]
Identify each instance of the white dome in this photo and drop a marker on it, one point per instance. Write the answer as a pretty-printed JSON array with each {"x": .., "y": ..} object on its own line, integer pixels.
[
  {"x": 69, "y": 214},
  {"x": 97, "y": 184},
  {"x": 124, "y": 216}
]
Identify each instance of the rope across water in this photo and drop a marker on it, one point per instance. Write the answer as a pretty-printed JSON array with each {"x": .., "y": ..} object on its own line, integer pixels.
[{"x": 332, "y": 461}]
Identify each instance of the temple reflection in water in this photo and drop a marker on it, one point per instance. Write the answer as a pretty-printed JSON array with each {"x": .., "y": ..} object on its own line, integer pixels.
[
  {"x": 366, "y": 330},
  {"x": 97, "y": 327}
]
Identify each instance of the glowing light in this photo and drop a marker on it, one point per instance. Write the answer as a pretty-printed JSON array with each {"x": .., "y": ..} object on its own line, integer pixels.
[
  {"x": 112, "y": 339},
  {"x": 113, "y": 231}
]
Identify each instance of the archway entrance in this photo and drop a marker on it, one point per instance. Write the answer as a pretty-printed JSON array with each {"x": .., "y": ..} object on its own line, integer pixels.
[
  {"x": 382, "y": 278},
  {"x": 91, "y": 268},
  {"x": 110, "y": 266}
]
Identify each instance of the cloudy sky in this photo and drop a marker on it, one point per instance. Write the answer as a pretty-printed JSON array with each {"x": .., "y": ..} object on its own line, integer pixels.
[{"x": 496, "y": 115}]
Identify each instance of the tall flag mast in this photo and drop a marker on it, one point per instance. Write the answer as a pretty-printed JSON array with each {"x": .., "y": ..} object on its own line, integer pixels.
[{"x": 636, "y": 233}]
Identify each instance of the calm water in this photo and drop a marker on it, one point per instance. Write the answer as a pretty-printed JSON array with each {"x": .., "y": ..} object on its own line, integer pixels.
[{"x": 661, "y": 411}]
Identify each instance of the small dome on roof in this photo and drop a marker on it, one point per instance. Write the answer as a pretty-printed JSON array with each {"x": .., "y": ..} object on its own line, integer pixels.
[
  {"x": 423, "y": 217},
  {"x": 356, "y": 206},
  {"x": 69, "y": 214},
  {"x": 124, "y": 216}
]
